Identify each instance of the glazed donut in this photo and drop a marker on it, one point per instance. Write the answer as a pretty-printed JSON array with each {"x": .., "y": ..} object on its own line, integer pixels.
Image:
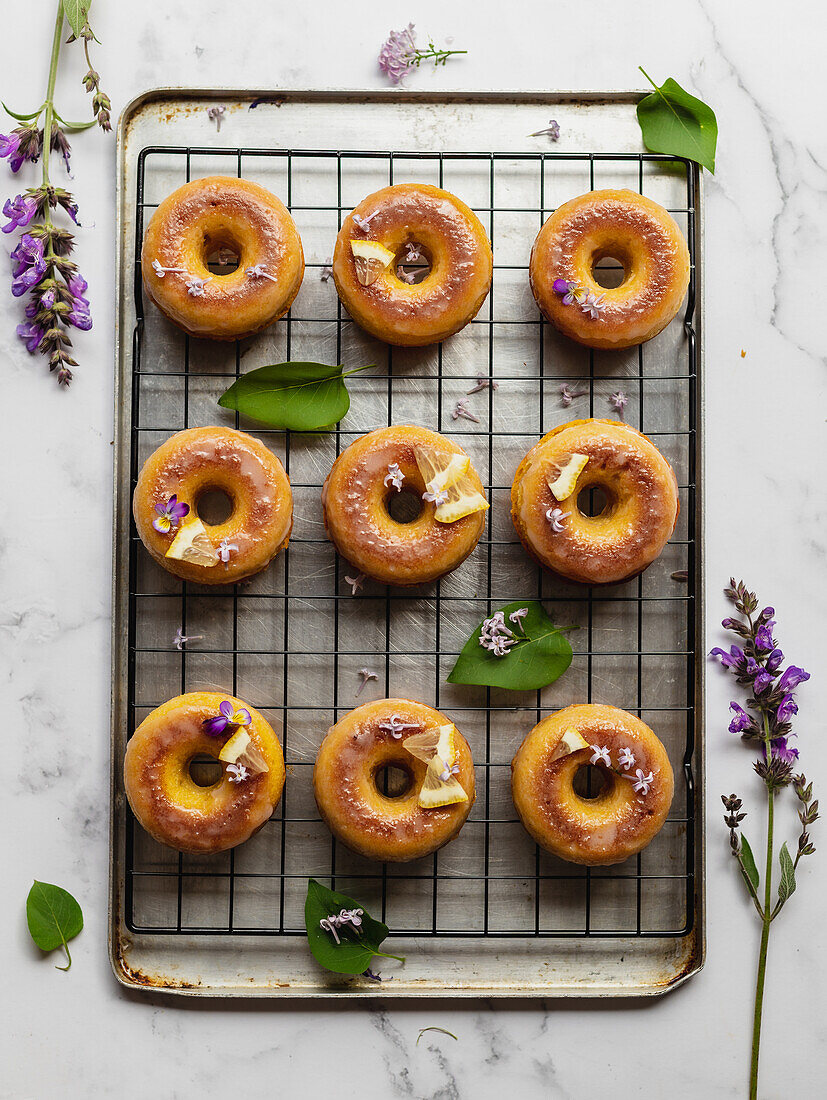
[
  {"x": 222, "y": 212},
  {"x": 624, "y": 816},
  {"x": 356, "y": 498},
  {"x": 170, "y": 805},
  {"x": 640, "y": 515},
  {"x": 384, "y": 827},
  {"x": 189, "y": 465},
  {"x": 441, "y": 228},
  {"x": 630, "y": 228}
]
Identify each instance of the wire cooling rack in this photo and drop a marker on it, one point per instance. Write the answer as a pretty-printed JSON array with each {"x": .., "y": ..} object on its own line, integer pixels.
[{"x": 291, "y": 641}]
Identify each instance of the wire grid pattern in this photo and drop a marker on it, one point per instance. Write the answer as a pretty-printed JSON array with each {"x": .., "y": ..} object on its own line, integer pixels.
[{"x": 290, "y": 642}]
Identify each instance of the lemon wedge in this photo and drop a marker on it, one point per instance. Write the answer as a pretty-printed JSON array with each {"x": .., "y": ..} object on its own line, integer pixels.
[
  {"x": 563, "y": 485},
  {"x": 463, "y": 499},
  {"x": 437, "y": 748},
  {"x": 192, "y": 544},
  {"x": 430, "y": 743},
  {"x": 570, "y": 742},
  {"x": 371, "y": 259},
  {"x": 440, "y": 469},
  {"x": 241, "y": 750}
]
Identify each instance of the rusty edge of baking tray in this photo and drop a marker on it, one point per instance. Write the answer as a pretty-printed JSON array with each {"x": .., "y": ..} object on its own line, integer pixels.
[{"x": 183, "y": 965}]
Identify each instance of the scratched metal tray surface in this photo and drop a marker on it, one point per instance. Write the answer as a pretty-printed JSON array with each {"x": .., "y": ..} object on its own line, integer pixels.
[{"x": 490, "y": 914}]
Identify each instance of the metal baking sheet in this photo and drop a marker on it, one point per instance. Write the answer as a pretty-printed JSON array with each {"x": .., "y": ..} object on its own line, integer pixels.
[{"x": 490, "y": 915}]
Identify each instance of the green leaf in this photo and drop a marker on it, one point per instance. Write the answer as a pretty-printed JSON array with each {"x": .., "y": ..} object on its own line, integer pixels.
[
  {"x": 76, "y": 12},
  {"x": 75, "y": 127},
  {"x": 23, "y": 118},
  {"x": 748, "y": 860},
  {"x": 787, "y": 885},
  {"x": 540, "y": 659},
  {"x": 301, "y": 396},
  {"x": 356, "y": 947},
  {"x": 54, "y": 918},
  {"x": 673, "y": 121}
]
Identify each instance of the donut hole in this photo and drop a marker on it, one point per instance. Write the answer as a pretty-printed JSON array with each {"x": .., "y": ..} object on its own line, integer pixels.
[
  {"x": 404, "y": 506},
  {"x": 412, "y": 264},
  {"x": 213, "y": 506},
  {"x": 222, "y": 257},
  {"x": 590, "y": 782},
  {"x": 393, "y": 780},
  {"x": 204, "y": 770},
  {"x": 593, "y": 501},
  {"x": 609, "y": 271}
]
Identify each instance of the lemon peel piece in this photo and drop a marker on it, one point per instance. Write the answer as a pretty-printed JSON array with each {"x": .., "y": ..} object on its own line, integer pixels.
[
  {"x": 570, "y": 742},
  {"x": 192, "y": 544},
  {"x": 463, "y": 499},
  {"x": 371, "y": 259},
  {"x": 563, "y": 485},
  {"x": 241, "y": 750},
  {"x": 440, "y": 469}
]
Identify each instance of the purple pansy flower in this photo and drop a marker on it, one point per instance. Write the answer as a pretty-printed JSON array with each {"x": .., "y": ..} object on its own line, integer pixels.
[
  {"x": 169, "y": 515},
  {"x": 29, "y": 264},
  {"x": 225, "y": 718},
  {"x": 741, "y": 720},
  {"x": 792, "y": 678},
  {"x": 20, "y": 210},
  {"x": 786, "y": 709},
  {"x": 31, "y": 335}
]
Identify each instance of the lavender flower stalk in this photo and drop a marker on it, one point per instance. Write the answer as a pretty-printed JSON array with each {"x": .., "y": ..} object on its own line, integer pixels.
[
  {"x": 41, "y": 268},
  {"x": 766, "y": 722}
]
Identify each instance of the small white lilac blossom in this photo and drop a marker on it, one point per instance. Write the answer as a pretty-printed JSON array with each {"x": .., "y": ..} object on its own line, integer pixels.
[
  {"x": 517, "y": 617},
  {"x": 355, "y": 582},
  {"x": 600, "y": 755},
  {"x": 436, "y": 498},
  {"x": 405, "y": 276},
  {"x": 394, "y": 476},
  {"x": 482, "y": 384},
  {"x": 555, "y": 516},
  {"x": 225, "y": 548},
  {"x": 594, "y": 305},
  {"x": 334, "y": 921},
  {"x": 195, "y": 286},
  {"x": 366, "y": 675},
  {"x": 449, "y": 770},
  {"x": 462, "y": 410},
  {"x": 618, "y": 401},
  {"x": 642, "y": 782},
  {"x": 495, "y": 636},
  {"x": 625, "y": 758},
  {"x": 237, "y": 773},
  {"x": 215, "y": 114},
  {"x": 181, "y": 639},
  {"x": 161, "y": 271},
  {"x": 259, "y": 271},
  {"x": 567, "y": 395},
  {"x": 413, "y": 254},
  {"x": 396, "y": 727},
  {"x": 326, "y": 273},
  {"x": 364, "y": 223}
]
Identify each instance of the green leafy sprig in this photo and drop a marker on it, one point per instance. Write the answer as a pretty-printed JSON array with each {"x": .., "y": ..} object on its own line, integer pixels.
[
  {"x": 540, "y": 654},
  {"x": 303, "y": 397},
  {"x": 356, "y": 946},
  {"x": 673, "y": 121},
  {"x": 53, "y": 917}
]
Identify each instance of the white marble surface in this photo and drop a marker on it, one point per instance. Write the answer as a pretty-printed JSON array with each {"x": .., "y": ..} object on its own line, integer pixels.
[{"x": 78, "y": 1034}]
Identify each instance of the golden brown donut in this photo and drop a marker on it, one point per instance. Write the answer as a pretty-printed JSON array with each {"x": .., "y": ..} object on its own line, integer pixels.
[
  {"x": 641, "y": 513},
  {"x": 222, "y": 212},
  {"x": 449, "y": 235},
  {"x": 196, "y": 461},
  {"x": 170, "y": 805},
  {"x": 627, "y": 227},
  {"x": 623, "y": 817},
  {"x": 376, "y": 825},
  {"x": 356, "y": 497}
]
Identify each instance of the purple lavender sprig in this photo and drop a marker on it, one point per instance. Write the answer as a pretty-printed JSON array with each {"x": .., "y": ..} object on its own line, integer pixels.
[
  {"x": 766, "y": 721},
  {"x": 42, "y": 271}
]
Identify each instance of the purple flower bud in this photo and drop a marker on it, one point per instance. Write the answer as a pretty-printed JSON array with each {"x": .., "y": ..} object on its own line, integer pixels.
[
  {"x": 31, "y": 335},
  {"x": 766, "y": 614},
  {"x": 774, "y": 659},
  {"x": 792, "y": 678},
  {"x": 20, "y": 211},
  {"x": 10, "y": 147},
  {"x": 47, "y": 300},
  {"x": 763, "y": 637},
  {"x": 79, "y": 315},
  {"x": 786, "y": 709},
  {"x": 730, "y": 624},
  {"x": 77, "y": 285},
  {"x": 29, "y": 266},
  {"x": 781, "y": 751},
  {"x": 734, "y": 659},
  {"x": 741, "y": 720},
  {"x": 761, "y": 682}
]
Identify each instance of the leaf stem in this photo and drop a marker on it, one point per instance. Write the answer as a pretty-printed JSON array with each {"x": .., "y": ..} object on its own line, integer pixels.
[
  {"x": 765, "y": 930},
  {"x": 386, "y": 955},
  {"x": 65, "y": 944},
  {"x": 654, "y": 85}
]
